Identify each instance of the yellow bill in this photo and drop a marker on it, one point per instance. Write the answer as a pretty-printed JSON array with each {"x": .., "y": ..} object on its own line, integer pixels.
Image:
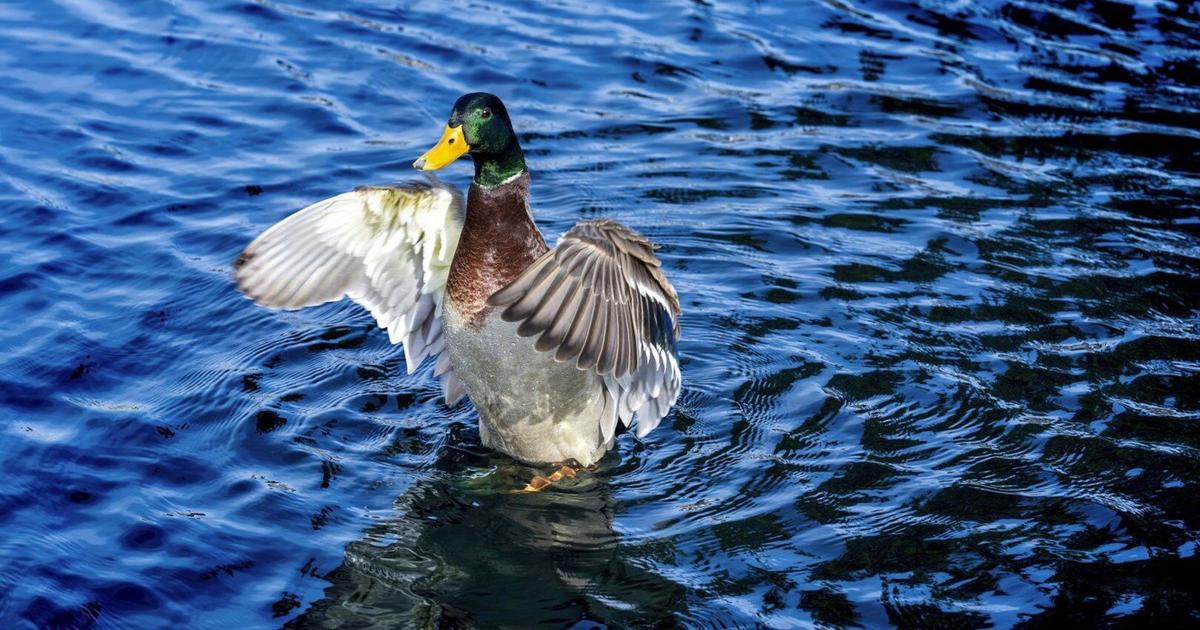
[{"x": 449, "y": 148}]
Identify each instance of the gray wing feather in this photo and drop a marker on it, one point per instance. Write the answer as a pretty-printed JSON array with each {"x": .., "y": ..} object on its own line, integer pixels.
[{"x": 600, "y": 299}]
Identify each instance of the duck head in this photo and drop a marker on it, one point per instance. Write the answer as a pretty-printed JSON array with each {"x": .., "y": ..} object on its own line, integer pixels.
[{"x": 479, "y": 125}]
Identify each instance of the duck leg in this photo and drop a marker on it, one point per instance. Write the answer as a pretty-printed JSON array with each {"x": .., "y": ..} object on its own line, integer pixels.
[{"x": 539, "y": 482}]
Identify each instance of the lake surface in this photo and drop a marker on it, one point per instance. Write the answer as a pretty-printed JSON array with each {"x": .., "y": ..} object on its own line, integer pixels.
[{"x": 939, "y": 263}]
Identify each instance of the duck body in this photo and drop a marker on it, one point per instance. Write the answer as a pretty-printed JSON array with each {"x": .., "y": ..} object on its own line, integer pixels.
[
  {"x": 559, "y": 349},
  {"x": 530, "y": 407},
  {"x": 553, "y": 421}
]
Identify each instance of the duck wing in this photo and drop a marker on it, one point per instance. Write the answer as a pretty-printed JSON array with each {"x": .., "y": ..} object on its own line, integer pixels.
[
  {"x": 600, "y": 299},
  {"x": 388, "y": 248}
]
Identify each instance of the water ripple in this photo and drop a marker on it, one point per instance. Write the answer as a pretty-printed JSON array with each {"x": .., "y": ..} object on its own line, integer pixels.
[{"x": 938, "y": 262}]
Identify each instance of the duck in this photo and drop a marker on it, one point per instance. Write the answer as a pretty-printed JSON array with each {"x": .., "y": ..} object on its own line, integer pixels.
[{"x": 561, "y": 350}]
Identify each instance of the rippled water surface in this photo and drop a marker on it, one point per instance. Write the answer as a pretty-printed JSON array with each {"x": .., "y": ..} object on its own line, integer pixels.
[{"x": 940, "y": 271}]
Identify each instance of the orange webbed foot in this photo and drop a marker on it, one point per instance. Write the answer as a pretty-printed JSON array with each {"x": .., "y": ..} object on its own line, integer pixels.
[{"x": 538, "y": 483}]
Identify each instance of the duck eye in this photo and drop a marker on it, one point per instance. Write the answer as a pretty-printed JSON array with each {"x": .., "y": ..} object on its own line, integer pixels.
[{"x": 485, "y": 114}]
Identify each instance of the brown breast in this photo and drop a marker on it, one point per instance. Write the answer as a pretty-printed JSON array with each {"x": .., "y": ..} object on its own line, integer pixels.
[{"x": 499, "y": 240}]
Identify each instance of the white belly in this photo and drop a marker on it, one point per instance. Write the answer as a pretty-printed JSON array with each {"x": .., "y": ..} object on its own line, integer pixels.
[{"x": 530, "y": 407}]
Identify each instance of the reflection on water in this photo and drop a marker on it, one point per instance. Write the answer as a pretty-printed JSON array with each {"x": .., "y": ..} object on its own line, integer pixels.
[
  {"x": 465, "y": 549},
  {"x": 939, "y": 263}
]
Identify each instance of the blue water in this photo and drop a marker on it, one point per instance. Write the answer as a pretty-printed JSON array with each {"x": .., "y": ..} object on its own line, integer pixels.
[{"x": 939, "y": 263}]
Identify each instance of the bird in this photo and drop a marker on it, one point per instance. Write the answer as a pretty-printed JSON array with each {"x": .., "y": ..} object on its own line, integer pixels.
[{"x": 560, "y": 350}]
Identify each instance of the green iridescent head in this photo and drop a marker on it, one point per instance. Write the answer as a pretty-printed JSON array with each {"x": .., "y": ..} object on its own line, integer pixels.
[{"x": 478, "y": 125}]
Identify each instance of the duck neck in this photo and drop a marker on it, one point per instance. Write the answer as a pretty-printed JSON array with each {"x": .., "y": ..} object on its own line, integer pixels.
[
  {"x": 495, "y": 169},
  {"x": 499, "y": 241}
]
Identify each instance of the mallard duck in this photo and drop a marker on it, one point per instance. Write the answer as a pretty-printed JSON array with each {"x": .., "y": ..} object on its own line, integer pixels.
[{"x": 561, "y": 350}]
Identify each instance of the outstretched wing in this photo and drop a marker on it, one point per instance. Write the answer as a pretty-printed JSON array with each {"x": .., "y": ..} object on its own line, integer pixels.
[
  {"x": 387, "y": 248},
  {"x": 600, "y": 299}
]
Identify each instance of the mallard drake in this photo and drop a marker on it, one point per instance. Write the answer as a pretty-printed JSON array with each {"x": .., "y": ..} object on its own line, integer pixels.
[{"x": 560, "y": 350}]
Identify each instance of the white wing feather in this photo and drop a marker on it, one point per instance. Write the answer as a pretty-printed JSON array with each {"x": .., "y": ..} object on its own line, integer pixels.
[{"x": 388, "y": 248}]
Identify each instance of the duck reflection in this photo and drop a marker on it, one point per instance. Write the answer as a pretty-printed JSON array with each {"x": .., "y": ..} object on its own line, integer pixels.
[{"x": 467, "y": 551}]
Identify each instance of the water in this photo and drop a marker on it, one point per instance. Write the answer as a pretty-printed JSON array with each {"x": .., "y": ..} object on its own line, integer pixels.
[{"x": 940, "y": 271}]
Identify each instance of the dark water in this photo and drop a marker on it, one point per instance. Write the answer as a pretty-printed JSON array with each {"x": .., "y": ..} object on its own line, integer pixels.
[{"x": 939, "y": 263}]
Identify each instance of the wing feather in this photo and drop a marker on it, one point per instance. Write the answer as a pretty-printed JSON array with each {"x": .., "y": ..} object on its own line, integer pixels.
[
  {"x": 601, "y": 300},
  {"x": 387, "y": 248},
  {"x": 575, "y": 340},
  {"x": 564, "y": 317}
]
